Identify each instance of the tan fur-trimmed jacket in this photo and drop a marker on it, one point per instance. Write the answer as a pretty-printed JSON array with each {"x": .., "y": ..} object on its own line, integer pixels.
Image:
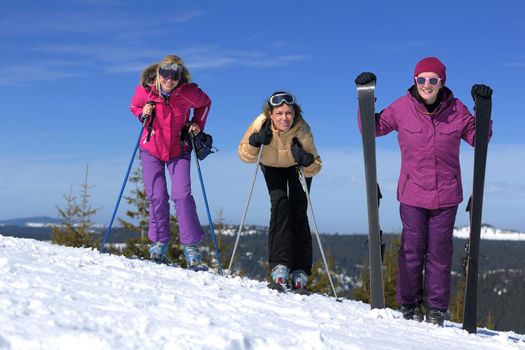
[{"x": 278, "y": 153}]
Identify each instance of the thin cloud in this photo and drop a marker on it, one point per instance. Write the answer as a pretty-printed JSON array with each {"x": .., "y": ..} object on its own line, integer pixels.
[
  {"x": 101, "y": 53},
  {"x": 257, "y": 34},
  {"x": 515, "y": 60},
  {"x": 186, "y": 16},
  {"x": 24, "y": 74},
  {"x": 45, "y": 158},
  {"x": 273, "y": 61},
  {"x": 211, "y": 58},
  {"x": 518, "y": 64},
  {"x": 203, "y": 57},
  {"x": 47, "y": 24}
]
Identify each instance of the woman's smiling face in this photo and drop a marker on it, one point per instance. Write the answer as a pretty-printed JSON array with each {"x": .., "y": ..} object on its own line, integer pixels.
[{"x": 282, "y": 117}]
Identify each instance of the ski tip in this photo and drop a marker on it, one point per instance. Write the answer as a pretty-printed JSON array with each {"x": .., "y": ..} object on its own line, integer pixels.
[
  {"x": 368, "y": 86},
  {"x": 276, "y": 286},
  {"x": 199, "y": 268},
  {"x": 302, "y": 291}
]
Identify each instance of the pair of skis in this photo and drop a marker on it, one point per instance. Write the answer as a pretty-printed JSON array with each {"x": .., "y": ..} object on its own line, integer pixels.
[{"x": 483, "y": 107}]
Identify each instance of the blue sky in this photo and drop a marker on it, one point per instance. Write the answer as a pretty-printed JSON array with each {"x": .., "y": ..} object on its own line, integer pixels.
[{"x": 69, "y": 68}]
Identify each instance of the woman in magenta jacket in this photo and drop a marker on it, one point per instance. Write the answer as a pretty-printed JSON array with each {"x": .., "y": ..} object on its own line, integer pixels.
[
  {"x": 430, "y": 123},
  {"x": 164, "y": 98}
]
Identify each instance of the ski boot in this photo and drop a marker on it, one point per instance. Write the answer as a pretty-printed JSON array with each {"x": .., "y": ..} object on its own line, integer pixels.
[
  {"x": 299, "y": 280},
  {"x": 436, "y": 316},
  {"x": 280, "y": 278},
  {"x": 194, "y": 258},
  {"x": 158, "y": 252},
  {"x": 412, "y": 312}
]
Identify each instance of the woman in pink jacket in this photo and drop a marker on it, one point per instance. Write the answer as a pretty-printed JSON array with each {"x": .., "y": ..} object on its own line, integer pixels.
[
  {"x": 165, "y": 98},
  {"x": 430, "y": 123}
]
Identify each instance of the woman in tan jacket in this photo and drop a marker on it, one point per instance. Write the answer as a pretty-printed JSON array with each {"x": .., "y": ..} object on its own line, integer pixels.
[{"x": 288, "y": 145}]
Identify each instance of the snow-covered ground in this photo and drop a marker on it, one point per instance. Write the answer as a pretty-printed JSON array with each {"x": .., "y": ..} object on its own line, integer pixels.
[
  {"x": 54, "y": 297},
  {"x": 491, "y": 233}
]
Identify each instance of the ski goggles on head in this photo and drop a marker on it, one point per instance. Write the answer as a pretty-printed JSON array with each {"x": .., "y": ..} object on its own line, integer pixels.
[
  {"x": 432, "y": 81},
  {"x": 170, "y": 71},
  {"x": 279, "y": 99}
]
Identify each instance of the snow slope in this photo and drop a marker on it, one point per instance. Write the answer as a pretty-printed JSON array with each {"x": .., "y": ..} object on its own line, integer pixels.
[{"x": 54, "y": 297}]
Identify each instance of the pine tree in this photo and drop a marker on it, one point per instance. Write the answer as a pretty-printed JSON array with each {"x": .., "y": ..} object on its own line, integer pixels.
[
  {"x": 175, "y": 252},
  {"x": 75, "y": 231},
  {"x": 489, "y": 323},
  {"x": 457, "y": 303},
  {"x": 222, "y": 246},
  {"x": 318, "y": 281},
  {"x": 139, "y": 213},
  {"x": 140, "y": 203},
  {"x": 60, "y": 234},
  {"x": 390, "y": 273},
  {"x": 362, "y": 292}
]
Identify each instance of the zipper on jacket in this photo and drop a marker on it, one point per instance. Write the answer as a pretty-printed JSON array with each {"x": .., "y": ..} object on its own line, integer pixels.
[{"x": 405, "y": 184}]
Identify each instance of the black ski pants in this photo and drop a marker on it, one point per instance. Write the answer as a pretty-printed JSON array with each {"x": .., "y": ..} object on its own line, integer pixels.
[{"x": 290, "y": 238}]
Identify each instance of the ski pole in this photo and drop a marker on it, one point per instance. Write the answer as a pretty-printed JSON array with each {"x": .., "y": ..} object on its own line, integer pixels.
[
  {"x": 207, "y": 208},
  {"x": 245, "y": 210},
  {"x": 123, "y": 186},
  {"x": 302, "y": 179}
]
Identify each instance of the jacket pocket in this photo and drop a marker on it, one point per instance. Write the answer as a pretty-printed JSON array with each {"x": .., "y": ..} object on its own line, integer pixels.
[
  {"x": 448, "y": 131},
  {"x": 412, "y": 135},
  {"x": 413, "y": 130}
]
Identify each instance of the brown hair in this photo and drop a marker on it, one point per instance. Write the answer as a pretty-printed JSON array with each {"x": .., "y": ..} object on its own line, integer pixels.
[{"x": 268, "y": 108}]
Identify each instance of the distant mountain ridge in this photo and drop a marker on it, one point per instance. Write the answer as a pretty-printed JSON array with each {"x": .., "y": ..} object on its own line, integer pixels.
[
  {"x": 34, "y": 221},
  {"x": 488, "y": 232}
]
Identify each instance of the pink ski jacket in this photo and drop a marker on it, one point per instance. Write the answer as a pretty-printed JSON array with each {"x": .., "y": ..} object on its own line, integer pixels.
[
  {"x": 430, "y": 175},
  {"x": 170, "y": 116}
]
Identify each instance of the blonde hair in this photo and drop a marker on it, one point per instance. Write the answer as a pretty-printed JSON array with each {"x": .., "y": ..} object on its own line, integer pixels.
[{"x": 170, "y": 59}]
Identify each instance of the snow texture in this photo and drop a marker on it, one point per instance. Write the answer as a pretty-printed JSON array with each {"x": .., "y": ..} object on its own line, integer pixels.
[
  {"x": 55, "y": 297},
  {"x": 490, "y": 233}
]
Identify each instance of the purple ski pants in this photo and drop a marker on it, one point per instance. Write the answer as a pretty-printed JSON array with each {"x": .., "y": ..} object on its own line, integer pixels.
[
  {"x": 426, "y": 244},
  {"x": 159, "y": 209}
]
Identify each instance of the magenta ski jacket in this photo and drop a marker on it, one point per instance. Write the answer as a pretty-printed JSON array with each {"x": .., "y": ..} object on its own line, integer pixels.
[
  {"x": 169, "y": 118},
  {"x": 430, "y": 174}
]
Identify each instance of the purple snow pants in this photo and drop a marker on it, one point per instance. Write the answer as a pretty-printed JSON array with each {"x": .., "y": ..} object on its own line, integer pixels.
[
  {"x": 426, "y": 244},
  {"x": 159, "y": 209}
]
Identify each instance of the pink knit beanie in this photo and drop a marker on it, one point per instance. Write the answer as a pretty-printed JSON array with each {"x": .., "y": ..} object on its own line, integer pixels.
[{"x": 431, "y": 64}]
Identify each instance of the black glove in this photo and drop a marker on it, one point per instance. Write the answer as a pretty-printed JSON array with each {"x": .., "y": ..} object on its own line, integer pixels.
[
  {"x": 481, "y": 90},
  {"x": 263, "y": 137},
  {"x": 203, "y": 145},
  {"x": 144, "y": 117},
  {"x": 302, "y": 157},
  {"x": 185, "y": 133},
  {"x": 365, "y": 78}
]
